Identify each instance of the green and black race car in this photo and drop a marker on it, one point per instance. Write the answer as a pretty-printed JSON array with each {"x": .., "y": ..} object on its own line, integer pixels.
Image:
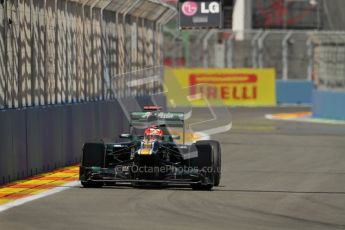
[{"x": 150, "y": 156}]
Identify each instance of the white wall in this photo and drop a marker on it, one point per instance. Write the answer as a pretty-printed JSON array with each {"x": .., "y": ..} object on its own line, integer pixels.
[{"x": 242, "y": 17}]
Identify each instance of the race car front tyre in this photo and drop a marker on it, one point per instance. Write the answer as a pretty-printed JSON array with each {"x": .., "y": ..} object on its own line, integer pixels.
[
  {"x": 217, "y": 160},
  {"x": 202, "y": 187},
  {"x": 91, "y": 184},
  {"x": 204, "y": 162},
  {"x": 93, "y": 156}
]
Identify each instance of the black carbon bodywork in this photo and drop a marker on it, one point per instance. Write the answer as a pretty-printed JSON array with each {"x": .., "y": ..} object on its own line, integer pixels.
[{"x": 160, "y": 162}]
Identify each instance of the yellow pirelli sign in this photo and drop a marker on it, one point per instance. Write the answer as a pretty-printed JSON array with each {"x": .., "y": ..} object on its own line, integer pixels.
[{"x": 232, "y": 87}]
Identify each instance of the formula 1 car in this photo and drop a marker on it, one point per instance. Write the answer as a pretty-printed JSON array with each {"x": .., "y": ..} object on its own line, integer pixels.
[{"x": 151, "y": 156}]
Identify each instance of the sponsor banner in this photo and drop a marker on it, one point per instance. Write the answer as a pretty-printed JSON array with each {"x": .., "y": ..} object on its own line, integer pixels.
[
  {"x": 231, "y": 87},
  {"x": 200, "y": 13}
]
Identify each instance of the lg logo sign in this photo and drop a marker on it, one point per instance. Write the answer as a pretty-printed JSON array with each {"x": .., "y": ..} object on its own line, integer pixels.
[
  {"x": 213, "y": 8},
  {"x": 190, "y": 8},
  {"x": 200, "y": 14}
]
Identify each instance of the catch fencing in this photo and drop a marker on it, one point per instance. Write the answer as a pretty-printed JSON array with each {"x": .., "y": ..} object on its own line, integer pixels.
[
  {"x": 295, "y": 55},
  {"x": 58, "y": 51}
]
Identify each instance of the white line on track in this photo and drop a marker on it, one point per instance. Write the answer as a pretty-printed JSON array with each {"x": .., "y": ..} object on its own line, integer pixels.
[{"x": 50, "y": 192}]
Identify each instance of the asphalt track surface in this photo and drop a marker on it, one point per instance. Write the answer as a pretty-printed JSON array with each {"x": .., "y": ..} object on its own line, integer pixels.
[{"x": 276, "y": 175}]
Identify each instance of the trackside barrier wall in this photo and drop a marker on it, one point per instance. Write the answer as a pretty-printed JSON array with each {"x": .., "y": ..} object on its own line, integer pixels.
[
  {"x": 329, "y": 104},
  {"x": 294, "y": 92},
  {"x": 39, "y": 139},
  {"x": 63, "y": 65}
]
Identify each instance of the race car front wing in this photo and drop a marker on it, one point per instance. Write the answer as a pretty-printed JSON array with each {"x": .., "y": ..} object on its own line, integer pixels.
[{"x": 125, "y": 176}]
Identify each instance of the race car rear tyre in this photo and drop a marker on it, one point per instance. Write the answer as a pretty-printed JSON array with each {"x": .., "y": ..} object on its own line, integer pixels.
[{"x": 91, "y": 184}]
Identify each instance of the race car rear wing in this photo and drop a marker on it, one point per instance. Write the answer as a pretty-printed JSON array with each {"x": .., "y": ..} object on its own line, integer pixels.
[
  {"x": 163, "y": 119},
  {"x": 152, "y": 108}
]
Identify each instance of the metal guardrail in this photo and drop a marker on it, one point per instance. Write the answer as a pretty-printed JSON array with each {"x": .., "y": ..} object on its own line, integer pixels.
[
  {"x": 59, "y": 51},
  {"x": 295, "y": 55}
]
